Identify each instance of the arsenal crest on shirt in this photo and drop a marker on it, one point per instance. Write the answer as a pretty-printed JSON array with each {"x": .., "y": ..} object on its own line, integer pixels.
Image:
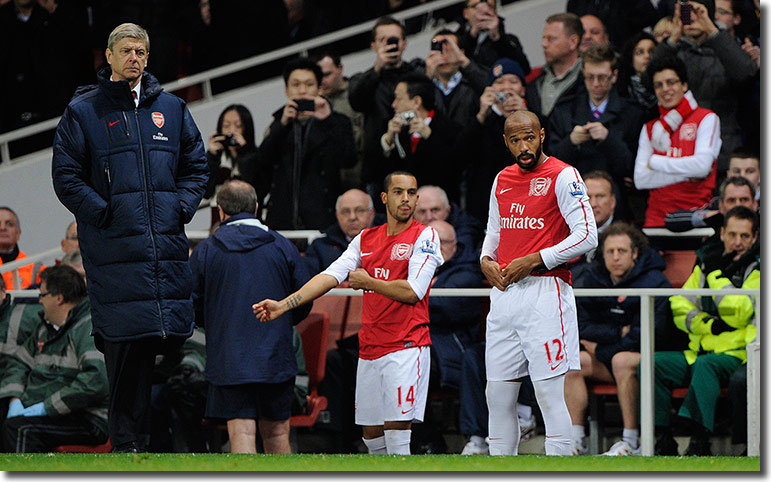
[
  {"x": 539, "y": 186},
  {"x": 401, "y": 251},
  {"x": 158, "y": 119},
  {"x": 688, "y": 132}
]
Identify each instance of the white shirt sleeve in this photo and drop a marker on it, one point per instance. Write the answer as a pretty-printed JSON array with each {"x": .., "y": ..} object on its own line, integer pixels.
[
  {"x": 645, "y": 177},
  {"x": 493, "y": 232},
  {"x": 708, "y": 143},
  {"x": 426, "y": 257},
  {"x": 349, "y": 261},
  {"x": 573, "y": 202}
]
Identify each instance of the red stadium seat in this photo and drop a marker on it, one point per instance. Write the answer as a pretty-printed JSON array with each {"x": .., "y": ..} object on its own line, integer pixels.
[
  {"x": 314, "y": 331},
  {"x": 679, "y": 266},
  {"x": 337, "y": 308},
  {"x": 85, "y": 449}
]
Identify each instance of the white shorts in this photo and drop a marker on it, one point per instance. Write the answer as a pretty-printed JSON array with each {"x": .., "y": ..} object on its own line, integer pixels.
[
  {"x": 393, "y": 387},
  {"x": 532, "y": 330}
]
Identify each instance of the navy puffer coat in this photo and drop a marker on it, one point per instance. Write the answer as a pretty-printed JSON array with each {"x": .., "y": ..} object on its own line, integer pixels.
[{"x": 132, "y": 177}]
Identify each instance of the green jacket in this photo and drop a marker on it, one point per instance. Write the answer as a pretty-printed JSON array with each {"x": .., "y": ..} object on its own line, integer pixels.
[
  {"x": 61, "y": 368},
  {"x": 721, "y": 323},
  {"x": 17, "y": 322}
]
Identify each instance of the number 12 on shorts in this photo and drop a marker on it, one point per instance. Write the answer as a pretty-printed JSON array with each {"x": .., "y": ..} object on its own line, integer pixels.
[
  {"x": 557, "y": 346},
  {"x": 410, "y": 395}
]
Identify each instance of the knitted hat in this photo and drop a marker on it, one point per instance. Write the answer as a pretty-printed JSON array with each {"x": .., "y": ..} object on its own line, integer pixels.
[{"x": 505, "y": 66}]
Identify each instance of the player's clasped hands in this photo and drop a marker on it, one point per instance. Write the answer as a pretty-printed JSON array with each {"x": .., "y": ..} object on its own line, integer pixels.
[{"x": 515, "y": 271}]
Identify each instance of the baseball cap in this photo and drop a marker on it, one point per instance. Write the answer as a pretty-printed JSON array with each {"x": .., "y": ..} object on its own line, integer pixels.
[{"x": 505, "y": 66}]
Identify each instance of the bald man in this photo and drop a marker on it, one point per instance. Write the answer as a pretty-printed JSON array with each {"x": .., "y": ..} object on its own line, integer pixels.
[
  {"x": 354, "y": 211},
  {"x": 594, "y": 32},
  {"x": 539, "y": 219}
]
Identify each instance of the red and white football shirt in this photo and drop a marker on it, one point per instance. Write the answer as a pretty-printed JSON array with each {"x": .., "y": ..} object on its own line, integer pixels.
[
  {"x": 545, "y": 210},
  {"x": 412, "y": 255}
]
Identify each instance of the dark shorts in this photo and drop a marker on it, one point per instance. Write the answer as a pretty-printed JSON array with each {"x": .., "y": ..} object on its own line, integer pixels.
[{"x": 271, "y": 401}]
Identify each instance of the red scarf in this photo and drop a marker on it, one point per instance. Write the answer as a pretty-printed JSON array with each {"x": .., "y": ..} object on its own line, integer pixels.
[
  {"x": 416, "y": 137},
  {"x": 670, "y": 121}
]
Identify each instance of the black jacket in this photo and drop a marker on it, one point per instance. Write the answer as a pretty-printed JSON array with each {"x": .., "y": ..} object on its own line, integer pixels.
[
  {"x": 487, "y": 52},
  {"x": 600, "y": 319},
  {"x": 133, "y": 177},
  {"x": 305, "y": 161},
  {"x": 615, "y": 154},
  {"x": 483, "y": 155},
  {"x": 435, "y": 160},
  {"x": 325, "y": 250},
  {"x": 372, "y": 94},
  {"x": 533, "y": 96}
]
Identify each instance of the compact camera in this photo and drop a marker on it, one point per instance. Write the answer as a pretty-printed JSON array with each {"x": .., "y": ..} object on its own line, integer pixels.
[
  {"x": 500, "y": 97},
  {"x": 305, "y": 105},
  {"x": 437, "y": 45},
  {"x": 228, "y": 141},
  {"x": 406, "y": 116}
]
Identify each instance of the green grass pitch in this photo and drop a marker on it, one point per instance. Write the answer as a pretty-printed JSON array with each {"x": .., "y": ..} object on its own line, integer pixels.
[{"x": 384, "y": 463}]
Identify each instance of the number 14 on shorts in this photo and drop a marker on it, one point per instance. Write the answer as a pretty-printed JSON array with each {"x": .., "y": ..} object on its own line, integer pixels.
[{"x": 410, "y": 397}]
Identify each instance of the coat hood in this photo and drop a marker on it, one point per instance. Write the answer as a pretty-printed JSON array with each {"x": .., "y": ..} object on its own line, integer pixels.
[{"x": 242, "y": 232}]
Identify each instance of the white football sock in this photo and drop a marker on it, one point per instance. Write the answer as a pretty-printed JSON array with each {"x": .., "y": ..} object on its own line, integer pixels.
[
  {"x": 550, "y": 394},
  {"x": 503, "y": 424},
  {"x": 578, "y": 432},
  {"x": 398, "y": 441},
  {"x": 524, "y": 411},
  {"x": 376, "y": 446},
  {"x": 629, "y": 436}
]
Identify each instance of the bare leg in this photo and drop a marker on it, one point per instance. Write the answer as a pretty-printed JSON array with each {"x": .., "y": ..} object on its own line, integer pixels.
[
  {"x": 275, "y": 436},
  {"x": 625, "y": 370},
  {"x": 242, "y": 433}
]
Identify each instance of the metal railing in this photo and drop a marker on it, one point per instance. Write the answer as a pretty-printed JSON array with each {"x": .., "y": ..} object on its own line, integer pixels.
[
  {"x": 205, "y": 78},
  {"x": 647, "y": 333}
]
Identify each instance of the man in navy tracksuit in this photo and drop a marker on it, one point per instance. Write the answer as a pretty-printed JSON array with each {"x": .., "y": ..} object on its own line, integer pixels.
[
  {"x": 129, "y": 163},
  {"x": 250, "y": 366}
]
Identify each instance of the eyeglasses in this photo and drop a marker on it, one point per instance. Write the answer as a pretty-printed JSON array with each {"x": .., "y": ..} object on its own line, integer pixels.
[
  {"x": 668, "y": 83},
  {"x": 44, "y": 294}
]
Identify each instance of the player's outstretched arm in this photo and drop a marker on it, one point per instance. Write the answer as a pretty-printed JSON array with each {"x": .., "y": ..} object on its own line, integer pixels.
[
  {"x": 398, "y": 290},
  {"x": 269, "y": 310}
]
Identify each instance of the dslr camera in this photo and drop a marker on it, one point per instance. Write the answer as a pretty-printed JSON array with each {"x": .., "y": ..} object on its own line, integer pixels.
[
  {"x": 406, "y": 116},
  {"x": 500, "y": 97},
  {"x": 228, "y": 141}
]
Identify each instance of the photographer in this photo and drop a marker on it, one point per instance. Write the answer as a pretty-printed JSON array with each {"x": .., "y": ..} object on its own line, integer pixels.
[
  {"x": 372, "y": 92},
  {"x": 231, "y": 152},
  {"x": 305, "y": 147},
  {"x": 480, "y": 139},
  {"x": 484, "y": 37},
  {"x": 419, "y": 139},
  {"x": 458, "y": 79}
]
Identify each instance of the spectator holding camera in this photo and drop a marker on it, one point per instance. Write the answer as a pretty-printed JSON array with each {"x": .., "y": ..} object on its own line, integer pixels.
[
  {"x": 717, "y": 68},
  {"x": 419, "y": 139},
  {"x": 484, "y": 38},
  {"x": 480, "y": 140},
  {"x": 305, "y": 147},
  {"x": 372, "y": 93},
  {"x": 231, "y": 152},
  {"x": 459, "y": 80}
]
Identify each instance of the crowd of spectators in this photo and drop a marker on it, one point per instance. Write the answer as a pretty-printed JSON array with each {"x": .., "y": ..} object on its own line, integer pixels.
[{"x": 652, "y": 112}]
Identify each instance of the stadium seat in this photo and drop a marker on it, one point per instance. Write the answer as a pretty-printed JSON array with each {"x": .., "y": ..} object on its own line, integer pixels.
[
  {"x": 337, "y": 308},
  {"x": 85, "y": 449},
  {"x": 680, "y": 265},
  {"x": 353, "y": 320},
  {"x": 314, "y": 331}
]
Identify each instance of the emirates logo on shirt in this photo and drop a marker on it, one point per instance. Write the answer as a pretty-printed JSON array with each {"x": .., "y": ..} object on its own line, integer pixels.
[
  {"x": 401, "y": 251},
  {"x": 539, "y": 186}
]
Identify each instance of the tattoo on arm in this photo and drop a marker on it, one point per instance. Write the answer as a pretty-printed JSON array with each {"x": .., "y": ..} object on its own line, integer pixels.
[{"x": 294, "y": 301}]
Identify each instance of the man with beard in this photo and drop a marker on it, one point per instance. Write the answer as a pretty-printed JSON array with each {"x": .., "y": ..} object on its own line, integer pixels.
[
  {"x": 394, "y": 264},
  {"x": 539, "y": 218}
]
